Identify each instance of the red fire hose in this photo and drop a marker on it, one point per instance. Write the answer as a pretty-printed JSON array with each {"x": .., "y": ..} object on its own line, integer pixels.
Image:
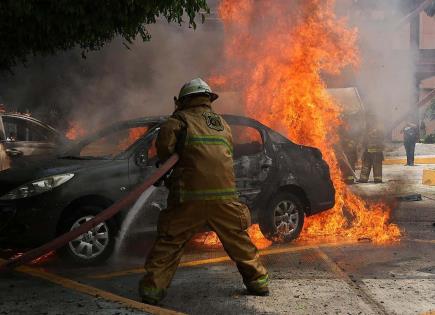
[{"x": 101, "y": 217}]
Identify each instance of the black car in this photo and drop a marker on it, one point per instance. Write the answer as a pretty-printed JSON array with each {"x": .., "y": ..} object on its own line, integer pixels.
[{"x": 280, "y": 181}]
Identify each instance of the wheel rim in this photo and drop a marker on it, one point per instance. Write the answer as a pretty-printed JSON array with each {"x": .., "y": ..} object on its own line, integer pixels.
[
  {"x": 92, "y": 243},
  {"x": 286, "y": 217}
]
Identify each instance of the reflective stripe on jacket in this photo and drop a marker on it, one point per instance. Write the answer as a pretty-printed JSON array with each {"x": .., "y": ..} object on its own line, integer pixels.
[
  {"x": 374, "y": 141},
  {"x": 204, "y": 142},
  {"x": 374, "y": 150}
]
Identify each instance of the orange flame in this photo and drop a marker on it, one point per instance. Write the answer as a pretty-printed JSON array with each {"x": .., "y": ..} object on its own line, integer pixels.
[
  {"x": 133, "y": 135},
  {"x": 75, "y": 131},
  {"x": 275, "y": 52},
  {"x": 211, "y": 240}
]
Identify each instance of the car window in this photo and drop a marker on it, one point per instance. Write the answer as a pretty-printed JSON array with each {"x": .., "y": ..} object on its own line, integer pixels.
[
  {"x": 277, "y": 137},
  {"x": 114, "y": 143},
  {"x": 152, "y": 150},
  {"x": 246, "y": 140},
  {"x": 17, "y": 129}
]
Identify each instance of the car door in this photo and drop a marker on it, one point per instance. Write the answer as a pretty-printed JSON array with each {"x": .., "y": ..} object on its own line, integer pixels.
[
  {"x": 141, "y": 164},
  {"x": 25, "y": 137},
  {"x": 252, "y": 161}
]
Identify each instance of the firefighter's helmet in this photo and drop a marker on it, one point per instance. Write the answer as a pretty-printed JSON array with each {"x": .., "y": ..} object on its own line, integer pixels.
[{"x": 197, "y": 86}]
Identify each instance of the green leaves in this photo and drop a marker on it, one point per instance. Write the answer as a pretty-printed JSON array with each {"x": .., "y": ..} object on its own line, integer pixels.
[{"x": 34, "y": 27}]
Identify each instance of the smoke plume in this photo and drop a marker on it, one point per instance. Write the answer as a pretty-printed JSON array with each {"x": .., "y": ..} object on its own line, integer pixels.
[
  {"x": 386, "y": 77},
  {"x": 114, "y": 83}
]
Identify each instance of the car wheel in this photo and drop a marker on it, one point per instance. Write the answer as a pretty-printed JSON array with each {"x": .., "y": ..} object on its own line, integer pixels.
[
  {"x": 94, "y": 246},
  {"x": 283, "y": 221}
]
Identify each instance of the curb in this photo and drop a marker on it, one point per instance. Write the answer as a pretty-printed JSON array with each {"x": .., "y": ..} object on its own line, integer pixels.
[{"x": 429, "y": 177}]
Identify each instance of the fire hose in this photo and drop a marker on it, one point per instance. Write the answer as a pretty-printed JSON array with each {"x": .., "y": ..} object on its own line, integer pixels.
[
  {"x": 106, "y": 214},
  {"x": 347, "y": 163}
]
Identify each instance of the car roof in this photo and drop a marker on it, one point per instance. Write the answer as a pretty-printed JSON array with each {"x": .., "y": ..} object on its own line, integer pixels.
[
  {"x": 229, "y": 118},
  {"x": 141, "y": 120},
  {"x": 242, "y": 119},
  {"x": 161, "y": 119},
  {"x": 157, "y": 120},
  {"x": 144, "y": 120}
]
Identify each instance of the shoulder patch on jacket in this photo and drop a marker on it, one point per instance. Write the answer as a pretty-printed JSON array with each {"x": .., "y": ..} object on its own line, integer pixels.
[{"x": 213, "y": 121}]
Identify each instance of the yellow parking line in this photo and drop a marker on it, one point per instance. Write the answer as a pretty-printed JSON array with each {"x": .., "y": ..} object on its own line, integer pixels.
[
  {"x": 95, "y": 292},
  {"x": 422, "y": 160},
  {"x": 273, "y": 251}
]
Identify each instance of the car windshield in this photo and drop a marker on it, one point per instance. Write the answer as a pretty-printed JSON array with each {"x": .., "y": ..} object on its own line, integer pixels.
[{"x": 107, "y": 144}]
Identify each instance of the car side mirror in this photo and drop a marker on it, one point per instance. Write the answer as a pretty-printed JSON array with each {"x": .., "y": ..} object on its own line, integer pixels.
[{"x": 141, "y": 158}]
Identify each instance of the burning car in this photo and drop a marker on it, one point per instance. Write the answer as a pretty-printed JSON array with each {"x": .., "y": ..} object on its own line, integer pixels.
[
  {"x": 22, "y": 135},
  {"x": 282, "y": 182}
]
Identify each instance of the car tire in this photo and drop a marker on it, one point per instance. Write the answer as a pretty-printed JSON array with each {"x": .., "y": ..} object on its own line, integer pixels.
[
  {"x": 284, "y": 219},
  {"x": 93, "y": 247}
]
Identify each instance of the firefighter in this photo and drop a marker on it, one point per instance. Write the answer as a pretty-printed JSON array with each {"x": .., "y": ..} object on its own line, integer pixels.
[
  {"x": 372, "y": 155},
  {"x": 410, "y": 138},
  {"x": 350, "y": 151},
  {"x": 347, "y": 148},
  {"x": 202, "y": 192}
]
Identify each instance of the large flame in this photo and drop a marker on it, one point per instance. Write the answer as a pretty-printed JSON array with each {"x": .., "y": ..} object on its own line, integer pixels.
[{"x": 275, "y": 52}]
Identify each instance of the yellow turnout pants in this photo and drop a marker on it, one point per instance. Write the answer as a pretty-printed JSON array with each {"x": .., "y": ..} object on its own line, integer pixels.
[
  {"x": 372, "y": 160},
  {"x": 177, "y": 225}
]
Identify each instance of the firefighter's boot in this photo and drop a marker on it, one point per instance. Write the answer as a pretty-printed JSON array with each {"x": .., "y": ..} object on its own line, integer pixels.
[
  {"x": 367, "y": 163},
  {"x": 377, "y": 167},
  {"x": 150, "y": 295},
  {"x": 259, "y": 287}
]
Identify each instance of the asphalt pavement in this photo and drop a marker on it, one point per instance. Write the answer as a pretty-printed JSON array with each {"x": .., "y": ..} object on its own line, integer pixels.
[{"x": 321, "y": 277}]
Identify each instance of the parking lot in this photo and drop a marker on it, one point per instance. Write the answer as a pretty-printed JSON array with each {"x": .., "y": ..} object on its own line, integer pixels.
[{"x": 328, "y": 276}]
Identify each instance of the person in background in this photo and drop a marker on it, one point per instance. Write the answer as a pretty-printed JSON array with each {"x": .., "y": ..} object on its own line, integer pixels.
[
  {"x": 410, "y": 138},
  {"x": 373, "y": 147},
  {"x": 4, "y": 159}
]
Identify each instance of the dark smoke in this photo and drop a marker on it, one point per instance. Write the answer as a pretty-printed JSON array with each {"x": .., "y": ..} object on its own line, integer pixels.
[{"x": 114, "y": 83}]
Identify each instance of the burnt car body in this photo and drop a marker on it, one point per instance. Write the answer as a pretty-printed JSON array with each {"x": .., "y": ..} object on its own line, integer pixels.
[
  {"x": 280, "y": 181},
  {"x": 22, "y": 135}
]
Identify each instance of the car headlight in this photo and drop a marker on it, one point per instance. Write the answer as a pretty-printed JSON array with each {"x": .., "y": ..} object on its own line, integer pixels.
[{"x": 37, "y": 187}]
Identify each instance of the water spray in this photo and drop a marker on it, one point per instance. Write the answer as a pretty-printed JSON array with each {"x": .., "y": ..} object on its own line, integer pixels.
[{"x": 130, "y": 218}]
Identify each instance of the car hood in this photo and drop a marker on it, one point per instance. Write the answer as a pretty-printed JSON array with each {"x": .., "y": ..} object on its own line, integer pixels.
[{"x": 32, "y": 169}]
